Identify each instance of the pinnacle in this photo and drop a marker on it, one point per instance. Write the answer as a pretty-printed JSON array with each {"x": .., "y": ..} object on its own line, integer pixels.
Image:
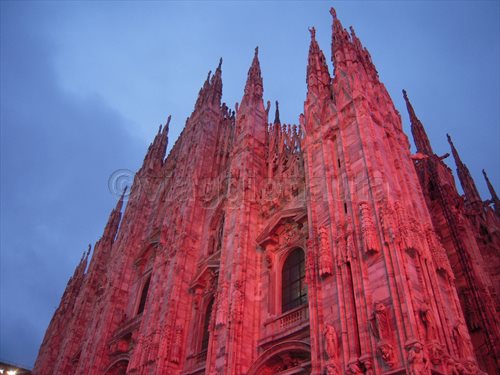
[
  {"x": 318, "y": 77},
  {"x": 417, "y": 129},
  {"x": 312, "y": 30},
  {"x": 254, "y": 85},
  {"x": 277, "y": 114}
]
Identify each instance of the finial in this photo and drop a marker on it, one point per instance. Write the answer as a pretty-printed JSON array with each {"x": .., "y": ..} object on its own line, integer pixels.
[
  {"x": 220, "y": 64},
  {"x": 277, "y": 113},
  {"x": 351, "y": 29},
  {"x": 88, "y": 250},
  {"x": 312, "y": 30},
  {"x": 257, "y": 51},
  {"x": 333, "y": 13},
  {"x": 404, "y": 94},
  {"x": 209, "y": 74},
  {"x": 168, "y": 121}
]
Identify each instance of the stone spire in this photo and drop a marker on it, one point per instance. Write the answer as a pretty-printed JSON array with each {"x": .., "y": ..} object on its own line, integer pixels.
[
  {"x": 277, "y": 114},
  {"x": 318, "y": 78},
  {"x": 114, "y": 219},
  {"x": 347, "y": 48},
  {"x": 494, "y": 196},
  {"x": 417, "y": 130},
  {"x": 211, "y": 91},
  {"x": 158, "y": 148},
  {"x": 468, "y": 185},
  {"x": 254, "y": 86}
]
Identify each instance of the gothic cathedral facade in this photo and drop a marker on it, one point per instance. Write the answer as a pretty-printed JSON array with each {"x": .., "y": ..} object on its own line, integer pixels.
[{"x": 260, "y": 248}]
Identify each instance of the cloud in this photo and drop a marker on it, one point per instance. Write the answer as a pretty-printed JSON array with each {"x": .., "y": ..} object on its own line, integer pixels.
[{"x": 57, "y": 152}]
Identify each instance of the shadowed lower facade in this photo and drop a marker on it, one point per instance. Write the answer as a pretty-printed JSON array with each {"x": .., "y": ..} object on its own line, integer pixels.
[{"x": 259, "y": 248}]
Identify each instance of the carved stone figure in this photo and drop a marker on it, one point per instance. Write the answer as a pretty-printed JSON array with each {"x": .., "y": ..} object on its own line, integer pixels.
[
  {"x": 380, "y": 322},
  {"x": 367, "y": 365},
  {"x": 310, "y": 263},
  {"x": 177, "y": 345},
  {"x": 428, "y": 320},
  {"x": 221, "y": 314},
  {"x": 325, "y": 258},
  {"x": 368, "y": 230},
  {"x": 436, "y": 352},
  {"x": 417, "y": 362},
  {"x": 460, "y": 337},
  {"x": 386, "y": 352},
  {"x": 331, "y": 341}
]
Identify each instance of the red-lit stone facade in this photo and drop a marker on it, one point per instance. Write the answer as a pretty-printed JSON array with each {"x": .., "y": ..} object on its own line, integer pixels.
[{"x": 261, "y": 248}]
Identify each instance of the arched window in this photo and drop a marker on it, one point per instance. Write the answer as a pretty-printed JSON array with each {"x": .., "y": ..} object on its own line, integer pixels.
[
  {"x": 206, "y": 324},
  {"x": 144, "y": 295},
  {"x": 293, "y": 285}
]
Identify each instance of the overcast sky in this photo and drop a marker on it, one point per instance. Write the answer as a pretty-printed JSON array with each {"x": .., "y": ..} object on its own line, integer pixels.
[{"x": 84, "y": 86}]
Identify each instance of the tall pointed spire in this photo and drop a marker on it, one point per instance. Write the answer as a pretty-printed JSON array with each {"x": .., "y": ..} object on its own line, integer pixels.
[
  {"x": 254, "y": 86},
  {"x": 494, "y": 196},
  {"x": 211, "y": 91},
  {"x": 277, "y": 114},
  {"x": 158, "y": 148},
  {"x": 318, "y": 78},
  {"x": 417, "y": 130},
  {"x": 347, "y": 47},
  {"x": 114, "y": 219},
  {"x": 468, "y": 185}
]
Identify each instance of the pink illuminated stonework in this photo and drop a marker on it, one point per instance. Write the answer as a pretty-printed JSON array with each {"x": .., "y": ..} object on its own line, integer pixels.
[{"x": 262, "y": 248}]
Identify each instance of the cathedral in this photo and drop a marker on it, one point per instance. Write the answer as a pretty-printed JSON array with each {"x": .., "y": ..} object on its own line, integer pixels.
[{"x": 259, "y": 248}]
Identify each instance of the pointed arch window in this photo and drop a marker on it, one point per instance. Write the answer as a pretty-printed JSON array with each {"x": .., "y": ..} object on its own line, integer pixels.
[
  {"x": 293, "y": 281},
  {"x": 144, "y": 296},
  {"x": 206, "y": 326}
]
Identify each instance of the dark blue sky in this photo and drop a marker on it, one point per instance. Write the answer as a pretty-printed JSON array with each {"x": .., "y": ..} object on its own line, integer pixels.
[{"x": 84, "y": 86}]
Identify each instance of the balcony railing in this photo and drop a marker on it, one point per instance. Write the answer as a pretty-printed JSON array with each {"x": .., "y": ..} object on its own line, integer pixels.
[
  {"x": 288, "y": 320},
  {"x": 294, "y": 317}
]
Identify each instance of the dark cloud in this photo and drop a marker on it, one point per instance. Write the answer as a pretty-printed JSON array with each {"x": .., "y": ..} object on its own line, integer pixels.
[{"x": 57, "y": 152}]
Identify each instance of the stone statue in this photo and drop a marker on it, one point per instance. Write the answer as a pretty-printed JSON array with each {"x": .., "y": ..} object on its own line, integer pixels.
[
  {"x": 460, "y": 337},
  {"x": 427, "y": 317},
  {"x": 380, "y": 322},
  {"x": 417, "y": 362},
  {"x": 331, "y": 341},
  {"x": 325, "y": 258}
]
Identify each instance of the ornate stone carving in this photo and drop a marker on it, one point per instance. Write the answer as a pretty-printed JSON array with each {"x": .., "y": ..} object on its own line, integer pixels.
[
  {"x": 310, "y": 264},
  {"x": 386, "y": 352},
  {"x": 368, "y": 230},
  {"x": 428, "y": 320},
  {"x": 354, "y": 368},
  {"x": 177, "y": 345},
  {"x": 405, "y": 237},
  {"x": 380, "y": 322},
  {"x": 331, "y": 342},
  {"x": 417, "y": 361},
  {"x": 238, "y": 297},
  {"x": 325, "y": 258},
  {"x": 436, "y": 353},
  {"x": 221, "y": 315},
  {"x": 367, "y": 364},
  {"x": 437, "y": 250},
  {"x": 332, "y": 369}
]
